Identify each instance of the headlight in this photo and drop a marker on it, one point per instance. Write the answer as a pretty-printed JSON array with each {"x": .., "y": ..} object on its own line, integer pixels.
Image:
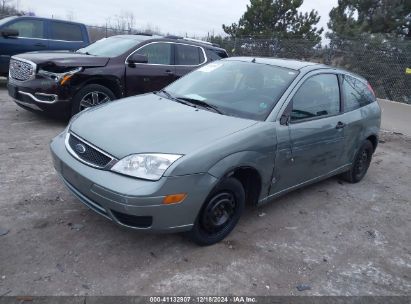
[
  {"x": 146, "y": 166},
  {"x": 60, "y": 77}
]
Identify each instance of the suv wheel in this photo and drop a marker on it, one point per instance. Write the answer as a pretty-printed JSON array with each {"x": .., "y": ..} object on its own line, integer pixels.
[
  {"x": 361, "y": 163},
  {"x": 91, "y": 95},
  {"x": 220, "y": 213}
]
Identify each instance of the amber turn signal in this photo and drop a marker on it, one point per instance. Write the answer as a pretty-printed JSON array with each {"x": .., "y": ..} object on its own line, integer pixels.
[
  {"x": 65, "y": 79},
  {"x": 174, "y": 198}
]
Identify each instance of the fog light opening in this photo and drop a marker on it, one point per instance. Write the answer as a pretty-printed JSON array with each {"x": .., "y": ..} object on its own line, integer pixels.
[{"x": 174, "y": 198}]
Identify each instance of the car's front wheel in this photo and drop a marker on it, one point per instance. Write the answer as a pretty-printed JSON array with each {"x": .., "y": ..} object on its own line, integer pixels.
[
  {"x": 361, "y": 163},
  {"x": 91, "y": 95},
  {"x": 220, "y": 213}
]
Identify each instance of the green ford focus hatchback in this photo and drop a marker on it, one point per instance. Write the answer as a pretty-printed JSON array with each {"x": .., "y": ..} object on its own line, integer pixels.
[{"x": 234, "y": 132}]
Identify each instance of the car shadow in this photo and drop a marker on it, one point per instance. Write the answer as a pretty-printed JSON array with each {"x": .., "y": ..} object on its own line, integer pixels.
[
  {"x": 3, "y": 83},
  {"x": 288, "y": 205}
]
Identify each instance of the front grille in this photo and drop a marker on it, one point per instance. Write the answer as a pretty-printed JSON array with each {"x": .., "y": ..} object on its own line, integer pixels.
[
  {"x": 133, "y": 220},
  {"x": 87, "y": 153},
  {"x": 21, "y": 70}
]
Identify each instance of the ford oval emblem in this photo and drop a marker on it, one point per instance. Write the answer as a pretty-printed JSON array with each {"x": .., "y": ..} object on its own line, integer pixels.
[{"x": 80, "y": 148}]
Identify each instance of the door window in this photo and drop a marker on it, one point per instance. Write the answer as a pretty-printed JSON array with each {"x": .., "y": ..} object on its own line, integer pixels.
[
  {"x": 189, "y": 55},
  {"x": 66, "y": 31},
  {"x": 318, "y": 96},
  {"x": 29, "y": 28},
  {"x": 356, "y": 93},
  {"x": 157, "y": 53}
]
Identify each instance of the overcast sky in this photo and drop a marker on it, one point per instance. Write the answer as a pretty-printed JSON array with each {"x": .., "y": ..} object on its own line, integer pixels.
[{"x": 194, "y": 17}]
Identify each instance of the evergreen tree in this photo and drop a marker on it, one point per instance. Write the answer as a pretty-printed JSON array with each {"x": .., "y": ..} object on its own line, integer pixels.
[
  {"x": 370, "y": 38},
  {"x": 276, "y": 19},
  {"x": 352, "y": 18}
]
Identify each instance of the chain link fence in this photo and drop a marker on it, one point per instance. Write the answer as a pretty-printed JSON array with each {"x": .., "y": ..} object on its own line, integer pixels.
[
  {"x": 385, "y": 63},
  {"x": 99, "y": 32}
]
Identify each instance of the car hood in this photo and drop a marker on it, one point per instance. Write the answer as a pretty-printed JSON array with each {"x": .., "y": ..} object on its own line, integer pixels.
[
  {"x": 64, "y": 59},
  {"x": 151, "y": 124}
]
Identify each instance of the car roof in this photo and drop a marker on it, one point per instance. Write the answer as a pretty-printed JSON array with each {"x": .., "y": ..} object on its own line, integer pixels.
[
  {"x": 41, "y": 18},
  {"x": 284, "y": 63},
  {"x": 299, "y": 65}
]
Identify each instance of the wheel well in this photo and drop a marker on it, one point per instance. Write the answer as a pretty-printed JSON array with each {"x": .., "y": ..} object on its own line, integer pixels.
[
  {"x": 251, "y": 181},
  {"x": 111, "y": 84},
  {"x": 374, "y": 140}
]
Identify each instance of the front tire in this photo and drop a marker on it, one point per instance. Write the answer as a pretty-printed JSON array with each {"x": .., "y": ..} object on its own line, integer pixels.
[
  {"x": 220, "y": 213},
  {"x": 361, "y": 163},
  {"x": 89, "y": 96}
]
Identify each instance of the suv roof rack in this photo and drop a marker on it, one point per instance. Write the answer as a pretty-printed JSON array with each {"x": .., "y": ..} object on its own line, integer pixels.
[
  {"x": 198, "y": 41},
  {"x": 192, "y": 40},
  {"x": 143, "y": 34},
  {"x": 173, "y": 37}
]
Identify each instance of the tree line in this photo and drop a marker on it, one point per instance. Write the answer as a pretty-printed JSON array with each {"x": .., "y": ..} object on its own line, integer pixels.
[{"x": 370, "y": 37}]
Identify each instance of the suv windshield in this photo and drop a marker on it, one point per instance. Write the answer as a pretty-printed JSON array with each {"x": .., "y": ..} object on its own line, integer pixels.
[
  {"x": 110, "y": 47},
  {"x": 243, "y": 89}
]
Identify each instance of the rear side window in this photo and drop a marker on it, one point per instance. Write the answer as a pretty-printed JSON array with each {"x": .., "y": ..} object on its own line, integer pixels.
[
  {"x": 356, "y": 93},
  {"x": 157, "y": 53},
  {"x": 216, "y": 55},
  {"x": 318, "y": 96},
  {"x": 29, "y": 28},
  {"x": 66, "y": 31},
  {"x": 188, "y": 55}
]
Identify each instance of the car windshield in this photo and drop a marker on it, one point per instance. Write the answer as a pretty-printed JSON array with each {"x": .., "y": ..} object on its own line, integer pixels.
[
  {"x": 237, "y": 88},
  {"x": 110, "y": 47}
]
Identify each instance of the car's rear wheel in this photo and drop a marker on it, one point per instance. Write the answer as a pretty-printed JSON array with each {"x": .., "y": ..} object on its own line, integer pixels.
[
  {"x": 361, "y": 163},
  {"x": 91, "y": 95},
  {"x": 220, "y": 213}
]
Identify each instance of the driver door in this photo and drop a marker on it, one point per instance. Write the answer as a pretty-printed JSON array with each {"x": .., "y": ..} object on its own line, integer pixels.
[{"x": 311, "y": 145}]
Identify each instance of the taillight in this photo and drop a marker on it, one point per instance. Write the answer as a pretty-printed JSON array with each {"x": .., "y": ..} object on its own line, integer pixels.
[{"x": 370, "y": 88}]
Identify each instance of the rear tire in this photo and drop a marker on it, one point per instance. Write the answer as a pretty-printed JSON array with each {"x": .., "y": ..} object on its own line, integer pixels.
[
  {"x": 89, "y": 96},
  {"x": 220, "y": 213},
  {"x": 361, "y": 164}
]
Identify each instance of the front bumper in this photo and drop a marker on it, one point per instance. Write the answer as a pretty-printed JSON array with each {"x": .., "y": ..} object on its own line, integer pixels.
[
  {"x": 131, "y": 202},
  {"x": 40, "y": 95}
]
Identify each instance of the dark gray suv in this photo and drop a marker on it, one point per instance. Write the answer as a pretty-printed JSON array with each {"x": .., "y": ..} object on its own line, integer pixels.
[{"x": 236, "y": 131}]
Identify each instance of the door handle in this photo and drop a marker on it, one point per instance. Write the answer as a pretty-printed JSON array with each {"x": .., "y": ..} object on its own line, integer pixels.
[
  {"x": 40, "y": 45},
  {"x": 340, "y": 125},
  {"x": 169, "y": 72}
]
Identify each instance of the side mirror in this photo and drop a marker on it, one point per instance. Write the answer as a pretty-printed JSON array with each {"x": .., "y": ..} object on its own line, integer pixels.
[
  {"x": 137, "y": 58},
  {"x": 285, "y": 120},
  {"x": 6, "y": 33},
  {"x": 286, "y": 117}
]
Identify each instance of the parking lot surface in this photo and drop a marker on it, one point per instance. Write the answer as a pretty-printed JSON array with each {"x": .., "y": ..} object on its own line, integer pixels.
[{"x": 331, "y": 238}]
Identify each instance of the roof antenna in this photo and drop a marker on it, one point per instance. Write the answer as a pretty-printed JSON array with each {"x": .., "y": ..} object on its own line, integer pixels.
[{"x": 253, "y": 61}]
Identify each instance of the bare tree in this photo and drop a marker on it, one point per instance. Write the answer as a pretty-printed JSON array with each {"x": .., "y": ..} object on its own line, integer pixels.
[
  {"x": 151, "y": 29},
  {"x": 70, "y": 16},
  {"x": 4, "y": 5},
  {"x": 8, "y": 7},
  {"x": 124, "y": 22}
]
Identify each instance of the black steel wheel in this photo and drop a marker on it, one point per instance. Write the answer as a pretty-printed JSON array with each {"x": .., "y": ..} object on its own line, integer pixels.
[
  {"x": 220, "y": 213},
  {"x": 361, "y": 163}
]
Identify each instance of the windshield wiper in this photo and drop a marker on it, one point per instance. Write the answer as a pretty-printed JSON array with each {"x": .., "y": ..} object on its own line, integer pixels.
[
  {"x": 86, "y": 53},
  {"x": 171, "y": 97},
  {"x": 201, "y": 104}
]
